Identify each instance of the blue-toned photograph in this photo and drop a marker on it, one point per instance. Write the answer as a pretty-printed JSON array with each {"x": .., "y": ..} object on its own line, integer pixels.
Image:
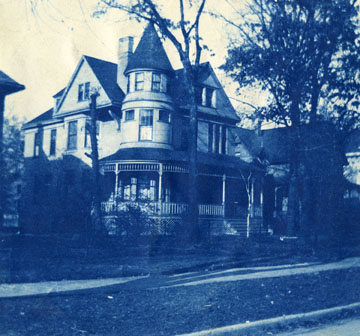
[{"x": 180, "y": 167}]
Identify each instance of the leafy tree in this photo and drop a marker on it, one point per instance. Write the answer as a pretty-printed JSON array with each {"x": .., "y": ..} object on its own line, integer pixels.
[
  {"x": 12, "y": 164},
  {"x": 187, "y": 26},
  {"x": 304, "y": 53}
]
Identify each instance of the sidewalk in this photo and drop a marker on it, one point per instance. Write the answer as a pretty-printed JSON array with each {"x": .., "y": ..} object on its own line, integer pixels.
[
  {"x": 185, "y": 279},
  {"x": 237, "y": 274},
  {"x": 47, "y": 287},
  {"x": 348, "y": 327}
]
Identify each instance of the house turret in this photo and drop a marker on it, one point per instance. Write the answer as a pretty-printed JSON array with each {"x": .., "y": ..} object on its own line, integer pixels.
[{"x": 147, "y": 108}]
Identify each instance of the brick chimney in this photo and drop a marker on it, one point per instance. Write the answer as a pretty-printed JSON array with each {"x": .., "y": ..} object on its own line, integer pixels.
[{"x": 124, "y": 53}]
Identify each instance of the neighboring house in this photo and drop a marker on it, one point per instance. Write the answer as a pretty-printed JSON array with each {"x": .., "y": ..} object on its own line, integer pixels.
[
  {"x": 270, "y": 147},
  {"x": 143, "y": 129}
]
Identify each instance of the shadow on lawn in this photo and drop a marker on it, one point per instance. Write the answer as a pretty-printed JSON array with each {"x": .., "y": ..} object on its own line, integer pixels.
[{"x": 45, "y": 258}]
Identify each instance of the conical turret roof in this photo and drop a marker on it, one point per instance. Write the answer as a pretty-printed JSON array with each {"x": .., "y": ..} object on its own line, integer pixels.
[{"x": 150, "y": 53}]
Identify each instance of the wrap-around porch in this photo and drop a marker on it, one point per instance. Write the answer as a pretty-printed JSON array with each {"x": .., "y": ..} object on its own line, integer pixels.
[{"x": 163, "y": 188}]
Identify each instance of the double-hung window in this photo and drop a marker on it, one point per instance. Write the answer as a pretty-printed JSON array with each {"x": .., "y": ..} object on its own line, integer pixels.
[
  {"x": 72, "y": 135},
  {"x": 37, "y": 144},
  {"x": 139, "y": 81},
  {"x": 146, "y": 124},
  {"x": 53, "y": 142},
  {"x": 87, "y": 143},
  {"x": 156, "y": 82}
]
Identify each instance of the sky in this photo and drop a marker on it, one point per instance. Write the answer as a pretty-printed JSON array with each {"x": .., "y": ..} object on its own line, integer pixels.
[{"x": 40, "y": 47}]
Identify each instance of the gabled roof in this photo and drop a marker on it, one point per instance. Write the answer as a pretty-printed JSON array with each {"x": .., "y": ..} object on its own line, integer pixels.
[
  {"x": 249, "y": 138},
  {"x": 271, "y": 144},
  {"x": 8, "y": 85},
  {"x": 150, "y": 53},
  {"x": 42, "y": 118},
  {"x": 59, "y": 94},
  {"x": 106, "y": 73},
  {"x": 202, "y": 72}
]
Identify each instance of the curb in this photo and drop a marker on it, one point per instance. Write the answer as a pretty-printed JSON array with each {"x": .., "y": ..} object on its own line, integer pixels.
[{"x": 280, "y": 321}]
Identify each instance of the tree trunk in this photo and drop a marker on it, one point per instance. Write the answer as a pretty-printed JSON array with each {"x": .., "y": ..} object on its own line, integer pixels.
[
  {"x": 193, "y": 187},
  {"x": 96, "y": 207}
]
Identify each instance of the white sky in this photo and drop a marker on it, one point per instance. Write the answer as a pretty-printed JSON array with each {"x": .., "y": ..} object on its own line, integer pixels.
[{"x": 41, "y": 49}]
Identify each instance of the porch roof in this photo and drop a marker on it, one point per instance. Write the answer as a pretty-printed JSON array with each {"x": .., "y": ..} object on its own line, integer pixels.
[{"x": 166, "y": 155}]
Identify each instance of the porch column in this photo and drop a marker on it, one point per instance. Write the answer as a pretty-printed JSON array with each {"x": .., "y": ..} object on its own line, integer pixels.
[
  {"x": 160, "y": 186},
  {"x": 116, "y": 180},
  {"x": 223, "y": 193},
  {"x": 252, "y": 197}
]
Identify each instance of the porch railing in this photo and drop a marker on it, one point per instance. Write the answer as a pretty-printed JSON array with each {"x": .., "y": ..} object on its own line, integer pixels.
[
  {"x": 167, "y": 208},
  {"x": 211, "y": 210},
  {"x": 173, "y": 208}
]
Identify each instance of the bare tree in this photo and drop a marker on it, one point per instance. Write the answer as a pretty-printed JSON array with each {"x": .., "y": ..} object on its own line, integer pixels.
[
  {"x": 248, "y": 183},
  {"x": 150, "y": 11},
  {"x": 94, "y": 156}
]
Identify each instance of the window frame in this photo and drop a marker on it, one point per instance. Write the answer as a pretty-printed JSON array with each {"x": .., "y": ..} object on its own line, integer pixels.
[
  {"x": 72, "y": 144},
  {"x": 83, "y": 91},
  {"x": 87, "y": 143},
  {"x": 148, "y": 125},
  {"x": 209, "y": 93},
  {"x": 168, "y": 121},
  {"x": 37, "y": 143},
  {"x": 127, "y": 113},
  {"x": 157, "y": 82},
  {"x": 139, "y": 83},
  {"x": 53, "y": 135}
]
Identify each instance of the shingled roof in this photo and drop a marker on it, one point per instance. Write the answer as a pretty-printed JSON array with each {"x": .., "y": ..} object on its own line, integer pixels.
[
  {"x": 8, "y": 85},
  {"x": 150, "y": 53},
  {"x": 106, "y": 73},
  {"x": 166, "y": 155},
  {"x": 41, "y": 119}
]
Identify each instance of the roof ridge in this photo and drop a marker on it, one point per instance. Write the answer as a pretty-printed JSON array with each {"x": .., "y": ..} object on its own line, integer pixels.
[{"x": 99, "y": 59}]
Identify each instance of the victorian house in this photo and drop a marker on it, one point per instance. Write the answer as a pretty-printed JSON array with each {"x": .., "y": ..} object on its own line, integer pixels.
[{"x": 143, "y": 128}]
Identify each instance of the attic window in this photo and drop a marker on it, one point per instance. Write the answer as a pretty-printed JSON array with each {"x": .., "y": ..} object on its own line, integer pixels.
[
  {"x": 156, "y": 80},
  {"x": 205, "y": 96},
  {"x": 84, "y": 91},
  {"x": 210, "y": 97},
  {"x": 139, "y": 81}
]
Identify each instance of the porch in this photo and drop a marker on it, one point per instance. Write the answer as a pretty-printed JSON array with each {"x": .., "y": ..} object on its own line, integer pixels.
[{"x": 160, "y": 189}]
